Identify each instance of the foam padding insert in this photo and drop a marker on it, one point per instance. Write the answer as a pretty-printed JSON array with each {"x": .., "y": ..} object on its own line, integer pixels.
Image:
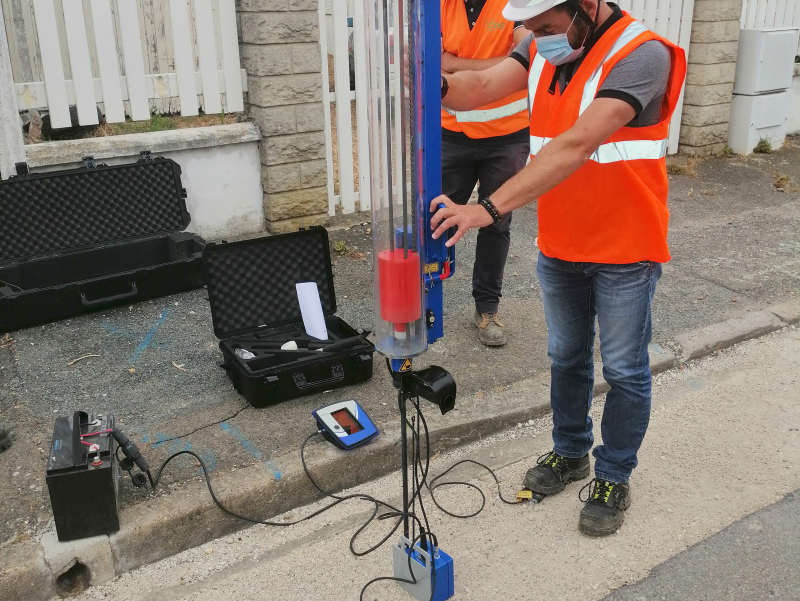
[
  {"x": 252, "y": 283},
  {"x": 67, "y": 210}
]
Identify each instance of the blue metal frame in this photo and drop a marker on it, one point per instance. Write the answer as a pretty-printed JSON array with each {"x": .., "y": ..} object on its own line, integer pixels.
[{"x": 439, "y": 260}]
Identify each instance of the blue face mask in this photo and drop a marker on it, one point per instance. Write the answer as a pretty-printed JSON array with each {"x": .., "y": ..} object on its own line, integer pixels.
[{"x": 556, "y": 48}]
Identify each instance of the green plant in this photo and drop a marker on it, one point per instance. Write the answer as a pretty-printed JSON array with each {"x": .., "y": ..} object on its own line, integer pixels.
[
  {"x": 764, "y": 146},
  {"x": 340, "y": 247},
  {"x": 728, "y": 151}
]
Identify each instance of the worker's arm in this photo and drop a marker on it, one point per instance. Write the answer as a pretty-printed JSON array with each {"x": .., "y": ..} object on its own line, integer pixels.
[
  {"x": 559, "y": 159},
  {"x": 471, "y": 89},
  {"x": 454, "y": 64}
]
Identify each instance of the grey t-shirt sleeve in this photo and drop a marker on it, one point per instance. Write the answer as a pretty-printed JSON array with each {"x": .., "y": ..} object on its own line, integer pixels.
[
  {"x": 522, "y": 53},
  {"x": 640, "y": 79}
]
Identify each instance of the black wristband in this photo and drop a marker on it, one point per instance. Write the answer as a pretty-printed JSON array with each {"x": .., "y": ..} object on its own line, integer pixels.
[
  {"x": 445, "y": 86},
  {"x": 487, "y": 204}
]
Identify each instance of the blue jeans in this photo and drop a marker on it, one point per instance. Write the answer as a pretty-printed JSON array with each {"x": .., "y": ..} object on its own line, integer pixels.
[{"x": 619, "y": 296}]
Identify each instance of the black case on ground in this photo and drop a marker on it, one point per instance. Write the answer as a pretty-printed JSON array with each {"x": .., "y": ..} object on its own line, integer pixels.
[
  {"x": 83, "y": 239},
  {"x": 251, "y": 287}
]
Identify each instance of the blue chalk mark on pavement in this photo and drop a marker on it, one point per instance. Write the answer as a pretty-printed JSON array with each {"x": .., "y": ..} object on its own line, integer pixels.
[
  {"x": 159, "y": 439},
  {"x": 149, "y": 336},
  {"x": 209, "y": 460},
  {"x": 694, "y": 384},
  {"x": 251, "y": 448}
]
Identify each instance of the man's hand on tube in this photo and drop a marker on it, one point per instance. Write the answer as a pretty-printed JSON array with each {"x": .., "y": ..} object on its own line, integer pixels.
[{"x": 466, "y": 217}]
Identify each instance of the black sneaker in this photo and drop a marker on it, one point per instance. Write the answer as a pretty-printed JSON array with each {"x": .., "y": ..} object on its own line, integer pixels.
[
  {"x": 5, "y": 439},
  {"x": 604, "y": 509},
  {"x": 553, "y": 472}
]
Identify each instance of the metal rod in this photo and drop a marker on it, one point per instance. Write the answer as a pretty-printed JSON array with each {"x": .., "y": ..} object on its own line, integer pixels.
[
  {"x": 412, "y": 104},
  {"x": 401, "y": 402},
  {"x": 404, "y": 58},
  {"x": 388, "y": 119}
]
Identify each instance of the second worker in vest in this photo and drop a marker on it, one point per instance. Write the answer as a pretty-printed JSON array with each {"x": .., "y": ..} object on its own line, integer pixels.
[
  {"x": 487, "y": 144},
  {"x": 602, "y": 91}
]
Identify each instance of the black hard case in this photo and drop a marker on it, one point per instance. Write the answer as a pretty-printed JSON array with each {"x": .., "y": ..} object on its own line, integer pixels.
[
  {"x": 84, "y": 239},
  {"x": 251, "y": 287}
]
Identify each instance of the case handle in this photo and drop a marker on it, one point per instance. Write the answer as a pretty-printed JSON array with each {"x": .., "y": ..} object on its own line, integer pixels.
[{"x": 109, "y": 299}]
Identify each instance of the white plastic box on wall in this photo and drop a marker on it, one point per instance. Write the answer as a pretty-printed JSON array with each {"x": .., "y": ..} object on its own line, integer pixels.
[
  {"x": 757, "y": 117},
  {"x": 765, "y": 60}
]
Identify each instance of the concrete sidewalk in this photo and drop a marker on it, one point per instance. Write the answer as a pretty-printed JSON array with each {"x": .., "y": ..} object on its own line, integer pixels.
[{"x": 736, "y": 254}]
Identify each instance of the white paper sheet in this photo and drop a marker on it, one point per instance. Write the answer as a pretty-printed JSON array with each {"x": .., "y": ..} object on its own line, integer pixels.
[{"x": 311, "y": 310}]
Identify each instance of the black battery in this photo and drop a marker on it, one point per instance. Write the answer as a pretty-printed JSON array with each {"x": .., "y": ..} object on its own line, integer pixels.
[{"x": 82, "y": 479}]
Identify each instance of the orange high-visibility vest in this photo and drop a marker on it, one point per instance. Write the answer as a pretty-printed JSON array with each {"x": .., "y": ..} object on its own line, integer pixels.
[
  {"x": 490, "y": 37},
  {"x": 613, "y": 209}
]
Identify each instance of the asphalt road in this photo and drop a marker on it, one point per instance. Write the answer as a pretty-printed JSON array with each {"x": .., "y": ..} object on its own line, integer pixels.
[
  {"x": 735, "y": 247},
  {"x": 710, "y": 519}
]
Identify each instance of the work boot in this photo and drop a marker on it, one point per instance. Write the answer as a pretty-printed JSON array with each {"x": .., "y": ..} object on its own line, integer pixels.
[
  {"x": 553, "y": 472},
  {"x": 490, "y": 329},
  {"x": 604, "y": 509},
  {"x": 5, "y": 439}
]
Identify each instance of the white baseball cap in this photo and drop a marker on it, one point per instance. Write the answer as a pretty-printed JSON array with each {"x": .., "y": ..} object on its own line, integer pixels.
[{"x": 520, "y": 10}]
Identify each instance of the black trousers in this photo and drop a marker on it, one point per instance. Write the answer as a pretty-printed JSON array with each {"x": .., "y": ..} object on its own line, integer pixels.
[{"x": 464, "y": 165}]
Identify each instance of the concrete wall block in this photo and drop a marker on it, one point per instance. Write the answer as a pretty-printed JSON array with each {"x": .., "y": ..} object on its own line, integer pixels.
[
  {"x": 273, "y": 59},
  {"x": 706, "y": 115},
  {"x": 24, "y": 574},
  {"x": 262, "y": 6},
  {"x": 712, "y": 54},
  {"x": 303, "y": 4},
  {"x": 717, "y": 10},
  {"x": 313, "y": 173},
  {"x": 297, "y": 203},
  {"x": 280, "y": 178},
  {"x": 292, "y": 225},
  {"x": 709, "y": 95},
  {"x": 707, "y": 32},
  {"x": 732, "y": 29},
  {"x": 293, "y": 149},
  {"x": 310, "y": 117},
  {"x": 702, "y": 151},
  {"x": 705, "y": 75},
  {"x": 704, "y": 135},
  {"x": 280, "y": 28},
  {"x": 284, "y": 89},
  {"x": 274, "y": 120},
  {"x": 306, "y": 58}
]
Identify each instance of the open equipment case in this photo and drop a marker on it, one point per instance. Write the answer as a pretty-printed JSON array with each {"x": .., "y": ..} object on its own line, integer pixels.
[
  {"x": 254, "y": 306},
  {"x": 83, "y": 239}
]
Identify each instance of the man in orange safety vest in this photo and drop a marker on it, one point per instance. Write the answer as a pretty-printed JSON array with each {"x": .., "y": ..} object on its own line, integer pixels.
[
  {"x": 487, "y": 144},
  {"x": 602, "y": 90}
]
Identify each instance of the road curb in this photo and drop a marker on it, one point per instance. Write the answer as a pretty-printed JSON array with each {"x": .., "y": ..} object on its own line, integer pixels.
[{"x": 184, "y": 518}]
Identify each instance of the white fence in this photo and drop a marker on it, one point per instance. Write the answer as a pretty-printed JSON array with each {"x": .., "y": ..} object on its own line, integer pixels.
[
  {"x": 126, "y": 55},
  {"x": 671, "y": 19},
  {"x": 766, "y": 14}
]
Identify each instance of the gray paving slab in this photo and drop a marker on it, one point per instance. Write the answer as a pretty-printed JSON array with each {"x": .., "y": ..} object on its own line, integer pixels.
[{"x": 754, "y": 558}]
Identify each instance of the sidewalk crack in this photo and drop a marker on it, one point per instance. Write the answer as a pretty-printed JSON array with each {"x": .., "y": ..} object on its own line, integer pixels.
[{"x": 216, "y": 423}]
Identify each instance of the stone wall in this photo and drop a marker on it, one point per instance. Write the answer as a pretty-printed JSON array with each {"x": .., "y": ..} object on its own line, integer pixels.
[
  {"x": 281, "y": 54},
  {"x": 709, "y": 79}
]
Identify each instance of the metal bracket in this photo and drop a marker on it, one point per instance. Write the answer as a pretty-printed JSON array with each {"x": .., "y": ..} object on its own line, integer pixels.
[{"x": 422, "y": 573}]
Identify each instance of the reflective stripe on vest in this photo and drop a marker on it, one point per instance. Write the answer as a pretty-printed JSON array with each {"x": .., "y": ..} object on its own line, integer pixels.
[
  {"x": 629, "y": 150},
  {"x": 482, "y": 116},
  {"x": 590, "y": 89},
  {"x": 533, "y": 78}
]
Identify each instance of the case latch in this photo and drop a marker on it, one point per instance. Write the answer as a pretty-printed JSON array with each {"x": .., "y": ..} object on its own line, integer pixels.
[
  {"x": 88, "y": 162},
  {"x": 22, "y": 169},
  {"x": 147, "y": 156}
]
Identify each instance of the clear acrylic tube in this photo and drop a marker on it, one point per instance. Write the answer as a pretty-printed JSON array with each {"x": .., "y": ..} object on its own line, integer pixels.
[{"x": 396, "y": 242}]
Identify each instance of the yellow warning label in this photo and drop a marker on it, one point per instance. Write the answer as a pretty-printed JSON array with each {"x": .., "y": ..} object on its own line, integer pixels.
[
  {"x": 430, "y": 268},
  {"x": 406, "y": 366},
  {"x": 524, "y": 494}
]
